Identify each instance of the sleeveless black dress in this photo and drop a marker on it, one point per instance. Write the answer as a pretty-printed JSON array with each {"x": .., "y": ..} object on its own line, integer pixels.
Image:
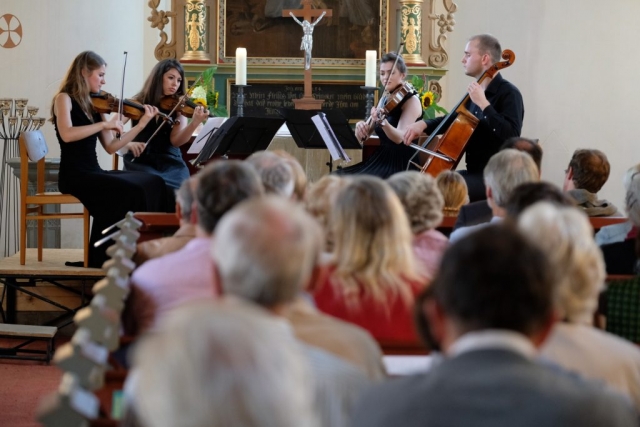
[
  {"x": 108, "y": 195},
  {"x": 160, "y": 157},
  {"x": 389, "y": 157}
]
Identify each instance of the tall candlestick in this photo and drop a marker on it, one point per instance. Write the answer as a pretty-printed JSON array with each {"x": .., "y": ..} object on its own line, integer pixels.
[
  {"x": 241, "y": 66},
  {"x": 370, "y": 69}
]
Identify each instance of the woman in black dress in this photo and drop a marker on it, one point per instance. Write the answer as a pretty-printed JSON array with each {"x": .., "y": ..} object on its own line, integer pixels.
[
  {"x": 108, "y": 195},
  {"x": 392, "y": 156}
]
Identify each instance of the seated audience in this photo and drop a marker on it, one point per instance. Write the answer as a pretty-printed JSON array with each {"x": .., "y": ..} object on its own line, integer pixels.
[
  {"x": 506, "y": 170},
  {"x": 422, "y": 201},
  {"x": 161, "y": 284},
  {"x": 275, "y": 173},
  {"x": 588, "y": 171},
  {"x": 529, "y": 193},
  {"x": 299, "y": 175},
  {"x": 565, "y": 235},
  {"x": 158, "y": 247},
  {"x": 489, "y": 309},
  {"x": 619, "y": 232},
  {"x": 480, "y": 212},
  {"x": 623, "y": 256},
  {"x": 221, "y": 364},
  {"x": 265, "y": 252},
  {"x": 319, "y": 200},
  {"x": 374, "y": 273},
  {"x": 454, "y": 191}
]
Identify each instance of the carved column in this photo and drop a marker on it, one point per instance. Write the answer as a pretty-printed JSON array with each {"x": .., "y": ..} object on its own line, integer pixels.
[
  {"x": 411, "y": 31},
  {"x": 196, "y": 32},
  {"x": 440, "y": 22}
]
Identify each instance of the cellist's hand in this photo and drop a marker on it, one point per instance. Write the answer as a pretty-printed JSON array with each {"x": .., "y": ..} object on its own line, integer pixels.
[
  {"x": 476, "y": 93},
  {"x": 362, "y": 131},
  {"x": 414, "y": 131}
]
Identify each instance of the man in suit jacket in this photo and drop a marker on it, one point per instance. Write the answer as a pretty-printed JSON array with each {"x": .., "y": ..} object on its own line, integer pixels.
[{"x": 489, "y": 310}]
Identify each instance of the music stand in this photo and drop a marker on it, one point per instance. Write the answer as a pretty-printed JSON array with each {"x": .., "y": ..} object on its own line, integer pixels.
[
  {"x": 239, "y": 137},
  {"x": 306, "y": 135}
]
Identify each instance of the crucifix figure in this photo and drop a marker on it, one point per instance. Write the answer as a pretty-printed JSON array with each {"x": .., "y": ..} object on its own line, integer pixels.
[
  {"x": 310, "y": 17},
  {"x": 307, "y": 38}
]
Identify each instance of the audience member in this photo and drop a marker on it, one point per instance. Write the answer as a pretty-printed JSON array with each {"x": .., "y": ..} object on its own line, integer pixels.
[
  {"x": 221, "y": 364},
  {"x": 622, "y": 254},
  {"x": 299, "y": 175},
  {"x": 529, "y": 146},
  {"x": 187, "y": 231},
  {"x": 275, "y": 173},
  {"x": 374, "y": 273},
  {"x": 525, "y": 195},
  {"x": 505, "y": 171},
  {"x": 265, "y": 251},
  {"x": 565, "y": 235},
  {"x": 454, "y": 191},
  {"x": 587, "y": 172},
  {"x": 162, "y": 284},
  {"x": 490, "y": 308},
  {"x": 423, "y": 203},
  {"x": 319, "y": 200}
]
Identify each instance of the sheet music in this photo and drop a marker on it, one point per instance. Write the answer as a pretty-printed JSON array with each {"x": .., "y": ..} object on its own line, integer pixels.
[
  {"x": 329, "y": 138},
  {"x": 209, "y": 128}
]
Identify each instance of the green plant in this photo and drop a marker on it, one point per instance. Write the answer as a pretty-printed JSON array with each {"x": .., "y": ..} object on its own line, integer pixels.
[
  {"x": 428, "y": 99},
  {"x": 205, "y": 95}
]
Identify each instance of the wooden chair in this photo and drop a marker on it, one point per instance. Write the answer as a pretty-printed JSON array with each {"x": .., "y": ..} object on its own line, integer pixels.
[{"x": 34, "y": 147}]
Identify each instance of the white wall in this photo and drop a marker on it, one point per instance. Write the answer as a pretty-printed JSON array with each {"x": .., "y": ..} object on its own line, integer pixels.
[{"x": 576, "y": 67}]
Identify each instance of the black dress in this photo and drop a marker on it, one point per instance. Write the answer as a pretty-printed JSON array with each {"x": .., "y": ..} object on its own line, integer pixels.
[
  {"x": 390, "y": 157},
  {"x": 108, "y": 195},
  {"x": 160, "y": 158}
]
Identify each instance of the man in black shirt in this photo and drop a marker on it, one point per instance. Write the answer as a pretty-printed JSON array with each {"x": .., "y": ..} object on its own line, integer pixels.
[{"x": 496, "y": 103}]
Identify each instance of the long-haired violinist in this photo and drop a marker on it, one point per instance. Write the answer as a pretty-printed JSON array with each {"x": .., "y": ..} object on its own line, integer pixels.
[
  {"x": 391, "y": 156},
  {"x": 496, "y": 103},
  {"x": 108, "y": 195}
]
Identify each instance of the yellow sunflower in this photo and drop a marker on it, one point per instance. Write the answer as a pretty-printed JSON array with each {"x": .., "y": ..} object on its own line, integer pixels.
[
  {"x": 426, "y": 100},
  {"x": 200, "y": 101}
]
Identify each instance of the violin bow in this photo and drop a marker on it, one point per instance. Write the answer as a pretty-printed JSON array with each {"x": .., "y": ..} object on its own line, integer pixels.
[
  {"x": 121, "y": 101},
  {"x": 180, "y": 101}
]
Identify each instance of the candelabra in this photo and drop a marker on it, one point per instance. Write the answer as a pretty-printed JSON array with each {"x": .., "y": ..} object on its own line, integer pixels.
[
  {"x": 240, "y": 100},
  {"x": 369, "y": 97},
  {"x": 15, "y": 117}
]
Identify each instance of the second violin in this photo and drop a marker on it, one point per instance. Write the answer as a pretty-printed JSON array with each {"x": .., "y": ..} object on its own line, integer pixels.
[{"x": 186, "y": 107}]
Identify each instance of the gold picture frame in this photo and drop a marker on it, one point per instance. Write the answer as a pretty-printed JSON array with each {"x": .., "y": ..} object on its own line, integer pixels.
[{"x": 269, "y": 39}]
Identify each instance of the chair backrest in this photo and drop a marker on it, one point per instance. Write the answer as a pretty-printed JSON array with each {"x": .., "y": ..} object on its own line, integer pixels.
[{"x": 35, "y": 144}]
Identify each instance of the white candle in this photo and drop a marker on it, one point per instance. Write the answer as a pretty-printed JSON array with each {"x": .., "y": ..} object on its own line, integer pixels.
[
  {"x": 370, "y": 69},
  {"x": 241, "y": 66}
]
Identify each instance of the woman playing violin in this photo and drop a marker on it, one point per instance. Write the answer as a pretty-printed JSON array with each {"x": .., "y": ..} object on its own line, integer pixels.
[
  {"x": 108, "y": 195},
  {"x": 392, "y": 155},
  {"x": 162, "y": 156}
]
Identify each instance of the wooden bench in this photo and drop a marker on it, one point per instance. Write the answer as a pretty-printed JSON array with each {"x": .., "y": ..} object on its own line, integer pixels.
[{"x": 28, "y": 333}]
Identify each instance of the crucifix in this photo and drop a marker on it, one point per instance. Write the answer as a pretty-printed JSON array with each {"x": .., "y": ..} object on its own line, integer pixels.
[{"x": 310, "y": 18}]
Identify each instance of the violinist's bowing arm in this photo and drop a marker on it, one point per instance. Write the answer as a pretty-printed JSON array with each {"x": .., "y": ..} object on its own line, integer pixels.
[
  {"x": 408, "y": 129},
  {"x": 112, "y": 144}
]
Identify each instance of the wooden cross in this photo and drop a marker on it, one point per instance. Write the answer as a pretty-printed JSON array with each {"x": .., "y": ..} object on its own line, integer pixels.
[{"x": 307, "y": 102}]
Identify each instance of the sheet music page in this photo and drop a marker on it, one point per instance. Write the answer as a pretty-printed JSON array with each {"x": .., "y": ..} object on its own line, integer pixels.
[
  {"x": 329, "y": 138},
  {"x": 207, "y": 130}
]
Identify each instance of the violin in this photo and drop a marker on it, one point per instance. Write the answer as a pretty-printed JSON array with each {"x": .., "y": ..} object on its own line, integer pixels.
[
  {"x": 106, "y": 103},
  {"x": 186, "y": 107}
]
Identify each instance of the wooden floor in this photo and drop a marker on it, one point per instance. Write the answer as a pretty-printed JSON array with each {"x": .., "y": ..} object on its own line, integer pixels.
[{"x": 52, "y": 264}]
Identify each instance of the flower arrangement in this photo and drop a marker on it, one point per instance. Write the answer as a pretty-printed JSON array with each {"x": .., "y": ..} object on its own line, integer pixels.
[
  {"x": 204, "y": 94},
  {"x": 428, "y": 99}
]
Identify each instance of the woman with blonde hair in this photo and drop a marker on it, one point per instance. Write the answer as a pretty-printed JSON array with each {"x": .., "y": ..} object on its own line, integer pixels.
[
  {"x": 374, "y": 274},
  {"x": 566, "y": 236},
  {"x": 320, "y": 198},
  {"x": 454, "y": 191},
  {"x": 423, "y": 204}
]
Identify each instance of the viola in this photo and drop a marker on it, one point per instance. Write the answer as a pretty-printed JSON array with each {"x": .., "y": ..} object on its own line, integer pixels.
[
  {"x": 443, "y": 152},
  {"x": 106, "y": 103},
  {"x": 185, "y": 107}
]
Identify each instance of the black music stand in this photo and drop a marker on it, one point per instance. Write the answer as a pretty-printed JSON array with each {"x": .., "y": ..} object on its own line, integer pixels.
[
  {"x": 239, "y": 137},
  {"x": 306, "y": 135}
]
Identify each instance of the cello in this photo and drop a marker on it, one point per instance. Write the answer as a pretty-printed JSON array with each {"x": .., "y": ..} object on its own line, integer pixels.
[{"x": 443, "y": 152}]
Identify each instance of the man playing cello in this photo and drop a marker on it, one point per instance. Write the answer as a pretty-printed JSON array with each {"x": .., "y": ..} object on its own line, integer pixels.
[{"x": 496, "y": 103}]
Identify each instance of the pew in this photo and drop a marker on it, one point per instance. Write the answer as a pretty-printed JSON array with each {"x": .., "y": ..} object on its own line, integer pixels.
[{"x": 156, "y": 225}]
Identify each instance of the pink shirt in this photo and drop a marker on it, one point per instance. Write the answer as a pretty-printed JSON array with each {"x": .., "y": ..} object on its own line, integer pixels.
[
  {"x": 163, "y": 283},
  {"x": 429, "y": 246}
]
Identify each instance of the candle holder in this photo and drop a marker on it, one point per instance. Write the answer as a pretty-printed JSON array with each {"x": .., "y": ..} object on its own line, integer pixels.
[
  {"x": 240, "y": 100},
  {"x": 15, "y": 117},
  {"x": 369, "y": 98}
]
